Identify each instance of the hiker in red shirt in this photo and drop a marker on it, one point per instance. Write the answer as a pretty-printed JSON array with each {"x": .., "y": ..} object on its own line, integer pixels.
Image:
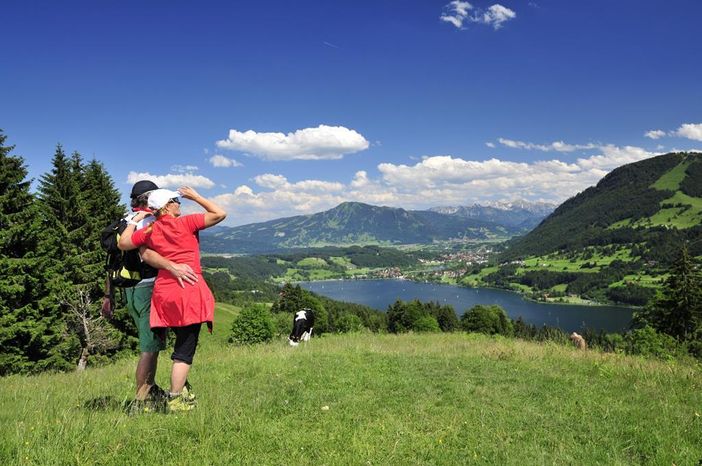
[{"x": 183, "y": 310}]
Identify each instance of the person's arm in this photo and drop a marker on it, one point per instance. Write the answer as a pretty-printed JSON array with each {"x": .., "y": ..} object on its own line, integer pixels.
[
  {"x": 214, "y": 214},
  {"x": 107, "y": 301},
  {"x": 181, "y": 272},
  {"x": 125, "y": 239}
]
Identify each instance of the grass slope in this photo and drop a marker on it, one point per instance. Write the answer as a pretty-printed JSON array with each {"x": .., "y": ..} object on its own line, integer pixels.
[{"x": 412, "y": 399}]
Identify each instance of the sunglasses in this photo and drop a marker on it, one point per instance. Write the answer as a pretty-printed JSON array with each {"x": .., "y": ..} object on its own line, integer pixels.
[{"x": 176, "y": 200}]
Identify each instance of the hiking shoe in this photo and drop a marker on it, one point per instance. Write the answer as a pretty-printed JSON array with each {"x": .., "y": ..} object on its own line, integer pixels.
[
  {"x": 179, "y": 404},
  {"x": 187, "y": 393}
]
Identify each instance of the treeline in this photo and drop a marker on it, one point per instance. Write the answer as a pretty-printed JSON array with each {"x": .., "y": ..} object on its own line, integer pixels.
[{"x": 51, "y": 264}]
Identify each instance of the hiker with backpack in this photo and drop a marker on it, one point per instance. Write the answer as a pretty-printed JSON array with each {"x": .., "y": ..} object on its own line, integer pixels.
[
  {"x": 134, "y": 272},
  {"x": 183, "y": 310}
]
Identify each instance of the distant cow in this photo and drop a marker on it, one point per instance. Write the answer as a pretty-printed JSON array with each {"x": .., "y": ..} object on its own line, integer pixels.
[
  {"x": 578, "y": 341},
  {"x": 303, "y": 322}
]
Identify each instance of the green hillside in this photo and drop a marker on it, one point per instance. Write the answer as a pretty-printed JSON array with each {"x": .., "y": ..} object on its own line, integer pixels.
[
  {"x": 614, "y": 241},
  {"x": 638, "y": 202},
  {"x": 369, "y": 399}
]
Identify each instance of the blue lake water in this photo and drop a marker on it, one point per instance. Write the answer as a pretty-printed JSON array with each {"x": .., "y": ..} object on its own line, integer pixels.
[{"x": 378, "y": 294}]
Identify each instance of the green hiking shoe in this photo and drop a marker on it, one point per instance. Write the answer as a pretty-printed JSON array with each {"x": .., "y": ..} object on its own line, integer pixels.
[{"x": 179, "y": 404}]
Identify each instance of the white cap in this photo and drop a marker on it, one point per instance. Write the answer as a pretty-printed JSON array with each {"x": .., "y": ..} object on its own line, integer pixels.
[{"x": 160, "y": 197}]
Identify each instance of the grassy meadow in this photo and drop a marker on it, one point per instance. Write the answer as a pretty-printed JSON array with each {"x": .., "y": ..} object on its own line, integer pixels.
[{"x": 368, "y": 399}]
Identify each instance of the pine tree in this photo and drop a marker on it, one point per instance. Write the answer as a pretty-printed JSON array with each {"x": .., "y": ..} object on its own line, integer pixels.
[
  {"x": 23, "y": 270},
  {"x": 678, "y": 311},
  {"x": 99, "y": 204}
]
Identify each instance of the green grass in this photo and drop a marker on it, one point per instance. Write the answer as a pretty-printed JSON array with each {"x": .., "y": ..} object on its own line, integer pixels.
[
  {"x": 675, "y": 217},
  {"x": 672, "y": 178},
  {"x": 309, "y": 262},
  {"x": 370, "y": 399},
  {"x": 558, "y": 263}
]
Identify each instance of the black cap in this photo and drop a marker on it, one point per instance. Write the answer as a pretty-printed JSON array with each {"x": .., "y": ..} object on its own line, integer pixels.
[{"x": 141, "y": 187}]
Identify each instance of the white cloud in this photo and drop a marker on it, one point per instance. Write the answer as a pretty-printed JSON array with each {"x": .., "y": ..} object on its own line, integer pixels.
[
  {"x": 435, "y": 180},
  {"x": 557, "y": 146},
  {"x": 323, "y": 142},
  {"x": 495, "y": 16},
  {"x": 218, "y": 160},
  {"x": 458, "y": 12},
  {"x": 172, "y": 180},
  {"x": 184, "y": 168},
  {"x": 690, "y": 131},
  {"x": 655, "y": 134},
  {"x": 491, "y": 145}
]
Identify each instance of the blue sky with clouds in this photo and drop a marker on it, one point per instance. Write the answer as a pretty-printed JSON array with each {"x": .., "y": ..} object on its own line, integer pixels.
[{"x": 281, "y": 108}]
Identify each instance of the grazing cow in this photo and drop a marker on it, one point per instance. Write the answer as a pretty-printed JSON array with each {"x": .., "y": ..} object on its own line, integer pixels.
[
  {"x": 578, "y": 341},
  {"x": 303, "y": 322}
]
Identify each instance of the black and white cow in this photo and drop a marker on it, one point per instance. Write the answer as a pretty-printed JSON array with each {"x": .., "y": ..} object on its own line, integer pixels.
[{"x": 303, "y": 322}]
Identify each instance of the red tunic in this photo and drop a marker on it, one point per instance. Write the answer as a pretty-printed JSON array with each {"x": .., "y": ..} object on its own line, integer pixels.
[{"x": 176, "y": 239}]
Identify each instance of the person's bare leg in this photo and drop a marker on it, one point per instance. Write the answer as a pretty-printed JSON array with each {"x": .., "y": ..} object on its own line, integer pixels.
[
  {"x": 146, "y": 370},
  {"x": 179, "y": 374}
]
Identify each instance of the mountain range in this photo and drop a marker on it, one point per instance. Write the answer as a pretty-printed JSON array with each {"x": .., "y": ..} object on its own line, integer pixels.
[{"x": 358, "y": 223}]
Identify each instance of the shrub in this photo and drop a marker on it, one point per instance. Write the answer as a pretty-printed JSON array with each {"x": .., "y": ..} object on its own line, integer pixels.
[
  {"x": 253, "y": 325},
  {"x": 283, "y": 323},
  {"x": 426, "y": 323},
  {"x": 647, "y": 342},
  {"x": 348, "y": 323},
  {"x": 491, "y": 320}
]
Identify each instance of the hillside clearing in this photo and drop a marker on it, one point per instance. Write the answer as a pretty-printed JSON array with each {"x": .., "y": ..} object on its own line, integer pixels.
[{"x": 412, "y": 399}]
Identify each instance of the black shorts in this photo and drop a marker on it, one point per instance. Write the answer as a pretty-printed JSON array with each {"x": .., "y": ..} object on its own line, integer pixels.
[{"x": 186, "y": 342}]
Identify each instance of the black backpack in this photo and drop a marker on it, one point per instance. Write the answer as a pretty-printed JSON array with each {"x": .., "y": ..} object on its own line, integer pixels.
[{"x": 124, "y": 268}]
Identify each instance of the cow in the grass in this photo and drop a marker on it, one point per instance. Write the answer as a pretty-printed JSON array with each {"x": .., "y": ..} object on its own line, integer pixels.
[{"x": 303, "y": 322}]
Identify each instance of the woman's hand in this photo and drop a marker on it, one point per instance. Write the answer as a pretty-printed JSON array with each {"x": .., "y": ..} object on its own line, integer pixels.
[
  {"x": 188, "y": 193},
  {"x": 141, "y": 215}
]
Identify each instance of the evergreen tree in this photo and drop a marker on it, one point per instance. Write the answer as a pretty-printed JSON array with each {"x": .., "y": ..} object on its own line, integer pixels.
[
  {"x": 24, "y": 272},
  {"x": 678, "y": 311},
  {"x": 99, "y": 204}
]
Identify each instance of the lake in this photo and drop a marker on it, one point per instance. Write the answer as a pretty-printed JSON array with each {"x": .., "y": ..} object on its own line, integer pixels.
[{"x": 378, "y": 294}]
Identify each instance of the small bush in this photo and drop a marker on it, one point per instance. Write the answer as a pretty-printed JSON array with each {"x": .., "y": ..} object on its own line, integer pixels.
[
  {"x": 348, "y": 322},
  {"x": 491, "y": 320},
  {"x": 283, "y": 324},
  {"x": 426, "y": 323},
  {"x": 253, "y": 325},
  {"x": 647, "y": 342}
]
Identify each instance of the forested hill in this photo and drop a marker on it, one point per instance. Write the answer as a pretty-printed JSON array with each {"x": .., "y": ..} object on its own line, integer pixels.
[
  {"x": 351, "y": 223},
  {"x": 652, "y": 206}
]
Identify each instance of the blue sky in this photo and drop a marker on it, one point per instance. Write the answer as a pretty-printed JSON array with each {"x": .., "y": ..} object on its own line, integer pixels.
[{"x": 281, "y": 108}]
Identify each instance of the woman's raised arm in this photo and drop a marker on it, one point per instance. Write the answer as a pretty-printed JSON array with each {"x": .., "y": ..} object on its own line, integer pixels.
[{"x": 214, "y": 214}]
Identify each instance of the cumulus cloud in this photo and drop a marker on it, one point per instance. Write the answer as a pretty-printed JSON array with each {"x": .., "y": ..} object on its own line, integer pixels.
[
  {"x": 655, "y": 134},
  {"x": 322, "y": 142},
  {"x": 557, "y": 146},
  {"x": 690, "y": 131},
  {"x": 172, "y": 180},
  {"x": 219, "y": 161},
  {"x": 434, "y": 180},
  {"x": 491, "y": 145},
  {"x": 495, "y": 16},
  {"x": 458, "y": 12}
]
